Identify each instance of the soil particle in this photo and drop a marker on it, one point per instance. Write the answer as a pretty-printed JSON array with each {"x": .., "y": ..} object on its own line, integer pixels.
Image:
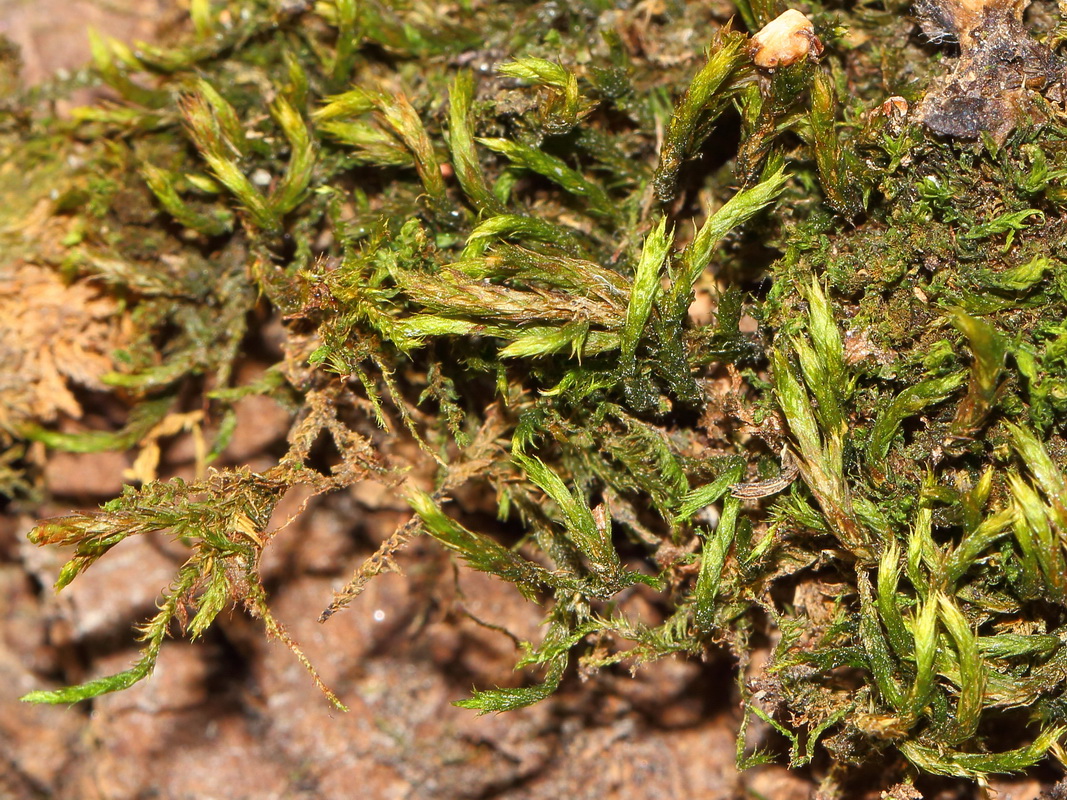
[
  {"x": 52, "y": 35},
  {"x": 92, "y": 609},
  {"x": 36, "y": 743},
  {"x": 166, "y": 741},
  {"x": 615, "y": 761},
  {"x": 779, "y": 783},
  {"x": 260, "y": 423},
  {"x": 86, "y": 476},
  {"x": 1057, "y": 792},
  {"x": 1015, "y": 789}
]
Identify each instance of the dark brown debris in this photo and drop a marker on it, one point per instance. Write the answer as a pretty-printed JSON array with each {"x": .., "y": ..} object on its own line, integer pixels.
[{"x": 1001, "y": 75}]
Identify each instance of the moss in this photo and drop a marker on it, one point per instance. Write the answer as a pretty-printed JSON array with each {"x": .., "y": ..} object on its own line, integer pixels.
[{"x": 482, "y": 230}]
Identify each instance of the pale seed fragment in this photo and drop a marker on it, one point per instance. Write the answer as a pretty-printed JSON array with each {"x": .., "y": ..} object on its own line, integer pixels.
[{"x": 785, "y": 40}]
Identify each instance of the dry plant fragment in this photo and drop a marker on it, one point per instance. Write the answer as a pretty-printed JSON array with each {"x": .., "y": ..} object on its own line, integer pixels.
[
  {"x": 1000, "y": 72},
  {"x": 771, "y": 486},
  {"x": 787, "y": 39},
  {"x": 964, "y": 20},
  {"x": 52, "y": 335}
]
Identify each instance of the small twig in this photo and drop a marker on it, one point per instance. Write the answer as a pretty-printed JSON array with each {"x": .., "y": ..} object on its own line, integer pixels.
[{"x": 754, "y": 489}]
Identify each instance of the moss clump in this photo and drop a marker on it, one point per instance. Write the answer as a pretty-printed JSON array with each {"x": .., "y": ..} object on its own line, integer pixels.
[{"x": 483, "y": 231}]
